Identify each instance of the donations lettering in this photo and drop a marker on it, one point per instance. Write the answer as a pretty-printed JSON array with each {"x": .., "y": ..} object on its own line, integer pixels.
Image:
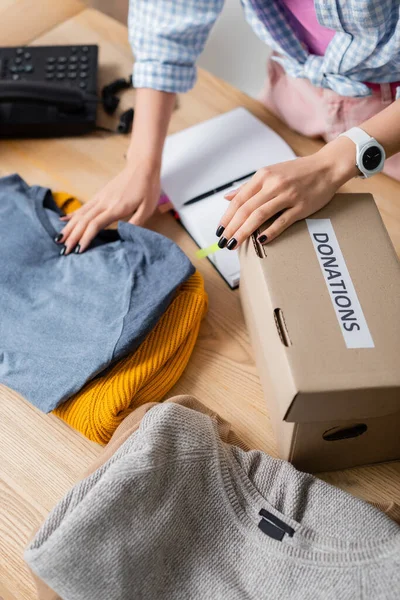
[
  {"x": 340, "y": 285},
  {"x": 334, "y": 278}
]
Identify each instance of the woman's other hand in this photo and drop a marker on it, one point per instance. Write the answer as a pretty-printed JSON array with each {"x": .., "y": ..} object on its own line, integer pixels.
[{"x": 292, "y": 190}]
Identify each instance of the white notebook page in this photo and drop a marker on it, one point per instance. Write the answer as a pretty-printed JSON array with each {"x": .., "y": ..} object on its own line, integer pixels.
[{"x": 208, "y": 155}]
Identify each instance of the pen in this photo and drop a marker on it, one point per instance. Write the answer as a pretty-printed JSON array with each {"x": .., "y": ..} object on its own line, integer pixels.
[{"x": 220, "y": 188}]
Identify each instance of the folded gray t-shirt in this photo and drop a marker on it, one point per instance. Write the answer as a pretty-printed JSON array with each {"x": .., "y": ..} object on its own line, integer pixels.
[
  {"x": 63, "y": 319},
  {"x": 174, "y": 514}
]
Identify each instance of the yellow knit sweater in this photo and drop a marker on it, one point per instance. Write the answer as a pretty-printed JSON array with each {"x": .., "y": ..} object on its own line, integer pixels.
[{"x": 145, "y": 376}]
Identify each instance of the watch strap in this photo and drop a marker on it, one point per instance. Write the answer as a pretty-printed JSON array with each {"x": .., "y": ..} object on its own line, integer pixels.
[{"x": 357, "y": 135}]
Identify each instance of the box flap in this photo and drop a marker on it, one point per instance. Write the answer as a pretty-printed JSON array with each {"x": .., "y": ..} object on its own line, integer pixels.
[{"x": 335, "y": 279}]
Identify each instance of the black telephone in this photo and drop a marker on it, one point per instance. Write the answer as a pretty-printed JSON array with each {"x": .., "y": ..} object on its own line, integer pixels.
[{"x": 48, "y": 91}]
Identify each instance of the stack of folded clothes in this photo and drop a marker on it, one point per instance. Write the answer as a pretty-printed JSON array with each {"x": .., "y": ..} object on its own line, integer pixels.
[{"x": 91, "y": 336}]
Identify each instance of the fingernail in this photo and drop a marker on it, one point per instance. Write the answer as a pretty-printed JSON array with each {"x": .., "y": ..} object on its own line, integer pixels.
[
  {"x": 58, "y": 238},
  {"x": 220, "y": 231},
  {"x": 77, "y": 249},
  {"x": 262, "y": 239},
  {"x": 63, "y": 250},
  {"x": 231, "y": 192},
  {"x": 222, "y": 242},
  {"x": 231, "y": 244}
]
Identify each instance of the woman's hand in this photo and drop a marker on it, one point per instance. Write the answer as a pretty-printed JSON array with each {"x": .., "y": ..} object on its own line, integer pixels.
[
  {"x": 131, "y": 196},
  {"x": 293, "y": 190}
]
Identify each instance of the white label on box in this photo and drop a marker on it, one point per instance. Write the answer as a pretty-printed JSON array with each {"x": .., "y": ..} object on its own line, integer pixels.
[{"x": 340, "y": 286}]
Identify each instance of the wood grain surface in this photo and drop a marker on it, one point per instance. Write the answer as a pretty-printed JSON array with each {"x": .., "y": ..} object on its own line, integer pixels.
[
  {"x": 21, "y": 21},
  {"x": 40, "y": 456}
]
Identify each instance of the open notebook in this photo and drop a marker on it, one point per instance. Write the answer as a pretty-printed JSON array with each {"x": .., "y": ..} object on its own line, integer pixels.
[{"x": 208, "y": 155}]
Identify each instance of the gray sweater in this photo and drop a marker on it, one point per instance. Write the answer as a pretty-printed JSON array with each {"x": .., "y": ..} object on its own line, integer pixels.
[{"x": 174, "y": 514}]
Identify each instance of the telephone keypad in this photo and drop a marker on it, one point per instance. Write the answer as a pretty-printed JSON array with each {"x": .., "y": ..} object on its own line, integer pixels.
[
  {"x": 74, "y": 66},
  {"x": 28, "y": 70}
]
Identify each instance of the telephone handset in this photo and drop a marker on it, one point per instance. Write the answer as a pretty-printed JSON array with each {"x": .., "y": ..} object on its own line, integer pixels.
[
  {"x": 67, "y": 99},
  {"x": 48, "y": 91}
]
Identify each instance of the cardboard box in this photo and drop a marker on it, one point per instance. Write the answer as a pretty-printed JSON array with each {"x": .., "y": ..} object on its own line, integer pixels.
[{"x": 322, "y": 303}]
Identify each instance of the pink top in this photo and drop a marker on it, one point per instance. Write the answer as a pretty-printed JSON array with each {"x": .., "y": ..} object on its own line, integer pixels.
[{"x": 303, "y": 19}]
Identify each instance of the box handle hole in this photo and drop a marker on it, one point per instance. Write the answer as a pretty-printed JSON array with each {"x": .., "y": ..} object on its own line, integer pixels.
[
  {"x": 281, "y": 327},
  {"x": 344, "y": 433}
]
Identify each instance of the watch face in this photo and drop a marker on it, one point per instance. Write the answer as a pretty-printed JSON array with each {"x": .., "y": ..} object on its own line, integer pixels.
[{"x": 371, "y": 158}]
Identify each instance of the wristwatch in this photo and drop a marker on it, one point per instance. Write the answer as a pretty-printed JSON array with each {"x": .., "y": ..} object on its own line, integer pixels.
[{"x": 370, "y": 155}]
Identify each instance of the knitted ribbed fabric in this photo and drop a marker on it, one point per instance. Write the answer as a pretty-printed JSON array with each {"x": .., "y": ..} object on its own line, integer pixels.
[{"x": 145, "y": 376}]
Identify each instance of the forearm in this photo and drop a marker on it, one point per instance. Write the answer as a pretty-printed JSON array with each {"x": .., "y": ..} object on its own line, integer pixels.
[
  {"x": 385, "y": 127},
  {"x": 338, "y": 156},
  {"x": 152, "y": 116}
]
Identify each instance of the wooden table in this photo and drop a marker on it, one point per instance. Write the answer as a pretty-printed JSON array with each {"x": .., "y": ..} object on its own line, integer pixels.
[{"x": 40, "y": 456}]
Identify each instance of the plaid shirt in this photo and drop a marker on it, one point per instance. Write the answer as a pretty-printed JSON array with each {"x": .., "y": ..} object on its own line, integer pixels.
[{"x": 167, "y": 36}]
